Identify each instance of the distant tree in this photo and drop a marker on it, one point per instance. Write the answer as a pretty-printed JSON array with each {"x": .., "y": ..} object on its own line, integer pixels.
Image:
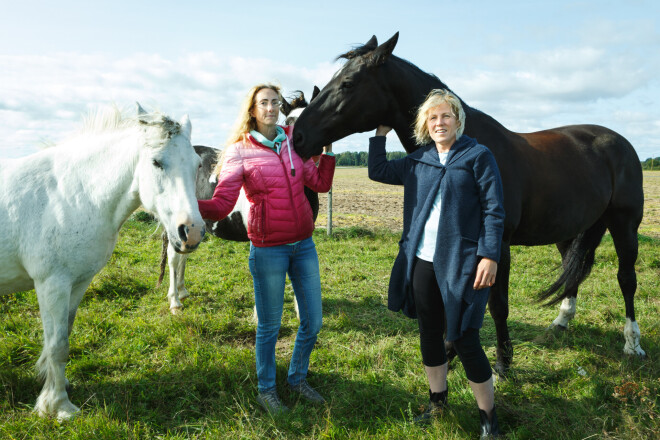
[
  {"x": 393, "y": 155},
  {"x": 652, "y": 163},
  {"x": 361, "y": 158}
]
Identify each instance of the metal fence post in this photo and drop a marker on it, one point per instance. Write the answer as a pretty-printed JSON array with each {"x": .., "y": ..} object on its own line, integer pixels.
[{"x": 329, "y": 226}]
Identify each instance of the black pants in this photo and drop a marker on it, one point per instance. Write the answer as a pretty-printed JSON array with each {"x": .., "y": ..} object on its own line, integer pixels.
[{"x": 431, "y": 320}]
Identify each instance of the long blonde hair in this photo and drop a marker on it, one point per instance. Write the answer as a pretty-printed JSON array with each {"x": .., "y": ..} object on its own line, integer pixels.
[
  {"x": 434, "y": 99},
  {"x": 245, "y": 121}
]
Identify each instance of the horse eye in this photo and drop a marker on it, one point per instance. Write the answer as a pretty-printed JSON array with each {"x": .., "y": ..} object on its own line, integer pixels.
[
  {"x": 157, "y": 164},
  {"x": 346, "y": 84}
]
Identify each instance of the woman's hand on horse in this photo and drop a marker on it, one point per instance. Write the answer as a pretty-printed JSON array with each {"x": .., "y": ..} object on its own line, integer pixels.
[
  {"x": 382, "y": 130},
  {"x": 486, "y": 271}
]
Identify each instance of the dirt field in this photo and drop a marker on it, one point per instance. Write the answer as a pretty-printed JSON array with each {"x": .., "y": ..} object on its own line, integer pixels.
[{"x": 358, "y": 201}]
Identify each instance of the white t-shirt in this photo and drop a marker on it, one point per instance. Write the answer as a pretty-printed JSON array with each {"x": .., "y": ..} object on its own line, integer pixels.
[{"x": 426, "y": 246}]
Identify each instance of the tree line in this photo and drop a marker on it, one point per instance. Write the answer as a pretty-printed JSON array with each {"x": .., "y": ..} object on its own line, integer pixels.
[{"x": 360, "y": 158}]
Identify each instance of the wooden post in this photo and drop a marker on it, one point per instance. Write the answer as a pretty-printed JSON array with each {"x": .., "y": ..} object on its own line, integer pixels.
[{"x": 329, "y": 226}]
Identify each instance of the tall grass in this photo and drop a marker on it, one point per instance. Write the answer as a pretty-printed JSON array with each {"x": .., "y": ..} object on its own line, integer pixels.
[{"x": 140, "y": 373}]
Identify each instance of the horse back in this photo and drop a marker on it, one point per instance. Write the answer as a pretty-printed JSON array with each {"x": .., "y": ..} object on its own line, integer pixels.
[{"x": 574, "y": 172}]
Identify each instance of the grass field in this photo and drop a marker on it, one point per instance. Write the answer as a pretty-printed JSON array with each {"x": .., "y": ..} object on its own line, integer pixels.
[{"x": 138, "y": 372}]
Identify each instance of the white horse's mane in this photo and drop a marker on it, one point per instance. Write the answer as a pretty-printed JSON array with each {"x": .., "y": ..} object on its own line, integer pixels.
[{"x": 113, "y": 118}]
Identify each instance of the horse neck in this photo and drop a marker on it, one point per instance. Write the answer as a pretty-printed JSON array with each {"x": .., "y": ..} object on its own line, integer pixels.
[
  {"x": 107, "y": 172},
  {"x": 410, "y": 86}
]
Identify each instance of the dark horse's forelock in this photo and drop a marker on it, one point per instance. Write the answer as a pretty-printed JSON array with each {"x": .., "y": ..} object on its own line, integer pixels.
[{"x": 355, "y": 52}]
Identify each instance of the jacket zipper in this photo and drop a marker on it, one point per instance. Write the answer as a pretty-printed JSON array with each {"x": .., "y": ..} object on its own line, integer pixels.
[{"x": 293, "y": 207}]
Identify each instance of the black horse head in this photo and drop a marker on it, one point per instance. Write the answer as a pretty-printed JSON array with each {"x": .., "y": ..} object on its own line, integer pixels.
[{"x": 355, "y": 100}]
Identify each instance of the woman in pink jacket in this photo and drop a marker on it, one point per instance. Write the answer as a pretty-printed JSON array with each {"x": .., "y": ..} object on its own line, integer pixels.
[{"x": 261, "y": 159}]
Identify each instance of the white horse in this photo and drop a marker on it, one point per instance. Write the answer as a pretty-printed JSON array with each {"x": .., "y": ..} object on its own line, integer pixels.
[
  {"x": 234, "y": 226},
  {"x": 61, "y": 210}
]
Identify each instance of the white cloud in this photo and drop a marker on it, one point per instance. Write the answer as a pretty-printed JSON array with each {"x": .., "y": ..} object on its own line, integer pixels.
[{"x": 43, "y": 97}]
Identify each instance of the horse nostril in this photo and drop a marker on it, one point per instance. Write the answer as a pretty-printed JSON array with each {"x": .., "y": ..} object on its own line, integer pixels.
[{"x": 183, "y": 233}]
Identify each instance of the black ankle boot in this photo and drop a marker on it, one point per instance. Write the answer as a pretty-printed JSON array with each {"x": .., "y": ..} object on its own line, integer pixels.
[
  {"x": 437, "y": 404},
  {"x": 489, "y": 428}
]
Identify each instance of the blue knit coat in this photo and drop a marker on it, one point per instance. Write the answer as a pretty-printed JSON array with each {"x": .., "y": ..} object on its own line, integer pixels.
[{"x": 471, "y": 224}]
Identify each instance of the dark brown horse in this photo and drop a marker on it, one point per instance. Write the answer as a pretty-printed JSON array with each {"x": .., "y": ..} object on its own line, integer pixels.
[{"x": 565, "y": 185}]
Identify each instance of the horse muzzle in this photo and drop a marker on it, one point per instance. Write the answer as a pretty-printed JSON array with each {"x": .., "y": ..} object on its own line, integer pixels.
[{"x": 188, "y": 236}]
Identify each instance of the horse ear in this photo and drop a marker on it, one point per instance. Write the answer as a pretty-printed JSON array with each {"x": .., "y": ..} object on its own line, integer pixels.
[
  {"x": 382, "y": 52},
  {"x": 372, "y": 43},
  {"x": 139, "y": 109},
  {"x": 285, "y": 107},
  {"x": 315, "y": 93},
  {"x": 186, "y": 126}
]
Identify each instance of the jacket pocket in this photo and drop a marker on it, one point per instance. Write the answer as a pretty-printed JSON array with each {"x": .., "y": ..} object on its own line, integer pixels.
[{"x": 258, "y": 220}]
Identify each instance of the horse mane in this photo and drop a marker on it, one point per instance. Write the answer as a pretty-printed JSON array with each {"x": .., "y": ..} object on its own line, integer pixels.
[
  {"x": 113, "y": 118},
  {"x": 364, "y": 49},
  {"x": 298, "y": 100}
]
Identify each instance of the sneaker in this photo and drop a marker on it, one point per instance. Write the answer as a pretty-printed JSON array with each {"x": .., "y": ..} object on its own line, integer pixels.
[
  {"x": 309, "y": 393},
  {"x": 270, "y": 401}
]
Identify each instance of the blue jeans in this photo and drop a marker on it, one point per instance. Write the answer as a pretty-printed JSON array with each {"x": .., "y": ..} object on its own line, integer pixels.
[{"x": 269, "y": 267}]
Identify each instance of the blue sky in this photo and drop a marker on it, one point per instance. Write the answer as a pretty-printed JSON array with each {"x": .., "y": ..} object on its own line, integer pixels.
[{"x": 531, "y": 65}]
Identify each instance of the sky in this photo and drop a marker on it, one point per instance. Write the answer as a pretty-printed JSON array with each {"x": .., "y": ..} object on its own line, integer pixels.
[{"x": 531, "y": 65}]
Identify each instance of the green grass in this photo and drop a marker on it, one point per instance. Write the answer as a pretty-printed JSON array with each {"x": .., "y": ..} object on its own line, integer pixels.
[{"x": 140, "y": 373}]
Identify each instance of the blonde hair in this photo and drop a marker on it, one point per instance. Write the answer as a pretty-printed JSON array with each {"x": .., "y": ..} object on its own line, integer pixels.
[
  {"x": 245, "y": 121},
  {"x": 434, "y": 99}
]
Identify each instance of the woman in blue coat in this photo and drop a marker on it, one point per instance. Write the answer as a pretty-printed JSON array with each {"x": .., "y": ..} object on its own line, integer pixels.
[{"x": 453, "y": 219}]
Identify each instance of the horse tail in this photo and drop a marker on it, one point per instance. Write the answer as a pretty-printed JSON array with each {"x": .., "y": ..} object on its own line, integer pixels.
[
  {"x": 163, "y": 258},
  {"x": 578, "y": 261}
]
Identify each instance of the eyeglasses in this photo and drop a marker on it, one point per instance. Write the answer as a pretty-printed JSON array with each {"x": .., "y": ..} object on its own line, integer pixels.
[{"x": 265, "y": 104}]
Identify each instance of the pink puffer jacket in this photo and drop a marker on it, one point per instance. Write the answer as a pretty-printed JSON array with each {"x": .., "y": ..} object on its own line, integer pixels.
[{"x": 279, "y": 210}]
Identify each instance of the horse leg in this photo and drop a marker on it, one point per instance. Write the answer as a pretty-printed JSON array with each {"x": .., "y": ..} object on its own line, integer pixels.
[
  {"x": 181, "y": 277},
  {"x": 176, "y": 263},
  {"x": 498, "y": 303},
  {"x": 76, "y": 296},
  {"x": 567, "y": 308},
  {"x": 54, "y": 296},
  {"x": 623, "y": 229}
]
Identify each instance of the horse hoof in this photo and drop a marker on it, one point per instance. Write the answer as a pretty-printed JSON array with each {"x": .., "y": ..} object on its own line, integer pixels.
[
  {"x": 68, "y": 413},
  {"x": 501, "y": 371},
  {"x": 176, "y": 310},
  {"x": 557, "y": 327},
  {"x": 637, "y": 352}
]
